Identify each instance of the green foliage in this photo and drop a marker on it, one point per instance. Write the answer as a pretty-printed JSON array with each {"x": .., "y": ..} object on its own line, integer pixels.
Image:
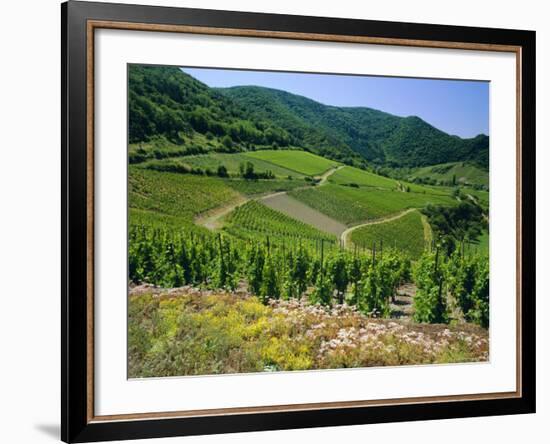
[
  {"x": 338, "y": 272},
  {"x": 405, "y": 234},
  {"x": 342, "y": 133},
  {"x": 322, "y": 293},
  {"x": 165, "y": 101},
  {"x": 462, "y": 278},
  {"x": 374, "y": 292},
  {"x": 430, "y": 303},
  {"x": 455, "y": 225},
  {"x": 270, "y": 288},
  {"x": 467, "y": 279}
]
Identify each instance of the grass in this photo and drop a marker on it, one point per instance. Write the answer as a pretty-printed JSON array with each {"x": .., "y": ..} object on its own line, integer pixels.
[
  {"x": 254, "y": 220},
  {"x": 405, "y": 234},
  {"x": 356, "y": 177},
  {"x": 352, "y": 205},
  {"x": 198, "y": 333},
  {"x": 463, "y": 173},
  {"x": 351, "y": 175},
  {"x": 301, "y": 162}
]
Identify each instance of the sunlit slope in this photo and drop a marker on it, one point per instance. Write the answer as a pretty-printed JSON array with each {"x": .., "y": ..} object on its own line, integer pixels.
[
  {"x": 405, "y": 233},
  {"x": 301, "y": 162}
]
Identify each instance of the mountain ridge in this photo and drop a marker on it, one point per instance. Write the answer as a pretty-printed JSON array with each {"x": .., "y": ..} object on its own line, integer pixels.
[{"x": 166, "y": 102}]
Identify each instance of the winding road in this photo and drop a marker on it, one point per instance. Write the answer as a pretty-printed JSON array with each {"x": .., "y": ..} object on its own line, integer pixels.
[
  {"x": 213, "y": 219},
  {"x": 344, "y": 237},
  {"x": 281, "y": 201}
]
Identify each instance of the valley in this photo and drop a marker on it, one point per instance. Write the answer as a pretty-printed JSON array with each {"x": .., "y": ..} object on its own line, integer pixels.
[{"x": 250, "y": 207}]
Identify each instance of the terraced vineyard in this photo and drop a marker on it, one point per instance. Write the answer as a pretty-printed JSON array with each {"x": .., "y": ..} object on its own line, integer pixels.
[
  {"x": 405, "y": 233},
  {"x": 255, "y": 221},
  {"x": 299, "y": 161},
  {"x": 172, "y": 194},
  {"x": 353, "y": 205}
]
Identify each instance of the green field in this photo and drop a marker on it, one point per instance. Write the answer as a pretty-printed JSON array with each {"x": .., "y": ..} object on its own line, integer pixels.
[
  {"x": 405, "y": 234},
  {"x": 254, "y": 220},
  {"x": 351, "y": 175},
  {"x": 299, "y": 161},
  {"x": 352, "y": 205},
  {"x": 462, "y": 172},
  {"x": 356, "y": 177},
  {"x": 232, "y": 163}
]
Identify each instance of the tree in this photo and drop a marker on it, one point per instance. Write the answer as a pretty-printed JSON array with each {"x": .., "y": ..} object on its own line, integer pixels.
[
  {"x": 227, "y": 142},
  {"x": 249, "y": 173},
  {"x": 222, "y": 171}
]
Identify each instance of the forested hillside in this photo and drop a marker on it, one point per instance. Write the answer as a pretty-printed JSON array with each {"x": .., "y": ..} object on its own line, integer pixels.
[
  {"x": 379, "y": 137},
  {"x": 172, "y": 114}
]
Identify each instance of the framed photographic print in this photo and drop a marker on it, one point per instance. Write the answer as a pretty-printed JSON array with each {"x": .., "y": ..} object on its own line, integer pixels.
[{"x": 276, "y": 221}]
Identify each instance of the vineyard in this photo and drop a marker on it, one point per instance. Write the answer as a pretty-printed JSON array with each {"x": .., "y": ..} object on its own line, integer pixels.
[
  {"x": 291, "y": 265},
  {"x": 269, "y": 232},
  {"x": 363, "y": 204},
  {"x": 405, "y": 234},
  {"x": 255, "y": 221},
  {"x": 299, "y": 161},
  {"x": 270, "y": 292}
]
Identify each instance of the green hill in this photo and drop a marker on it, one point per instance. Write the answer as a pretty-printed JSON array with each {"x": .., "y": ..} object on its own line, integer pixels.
[
  {"x": 378, "y": 136},
  {"x": 172, "y": 114}
]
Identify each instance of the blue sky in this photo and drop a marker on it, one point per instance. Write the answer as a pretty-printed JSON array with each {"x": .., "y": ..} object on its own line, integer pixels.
[{"x": 457, "y": 107}]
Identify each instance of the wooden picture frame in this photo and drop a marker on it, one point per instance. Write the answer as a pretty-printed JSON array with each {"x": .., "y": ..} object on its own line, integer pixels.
[{"x": 79, "y": 22}]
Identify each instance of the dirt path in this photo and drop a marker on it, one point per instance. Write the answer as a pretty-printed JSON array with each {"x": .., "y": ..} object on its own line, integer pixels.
[
  {"x": 345, "y": 236},
  {"x": 297, "y": 210},
  {"x": 213, "y": 219},
  {"x": 428, "y": 233},
  {"x": 324, "y": 177},
  {"x": 402, "y": 303}
]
